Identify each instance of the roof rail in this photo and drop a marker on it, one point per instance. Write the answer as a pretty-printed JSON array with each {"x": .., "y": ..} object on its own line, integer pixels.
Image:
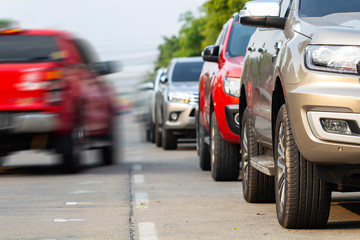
[{"x": 236, "y": 17}]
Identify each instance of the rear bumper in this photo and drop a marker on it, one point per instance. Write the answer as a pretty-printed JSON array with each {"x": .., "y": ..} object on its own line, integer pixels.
[{"x": 31, "y": 122}]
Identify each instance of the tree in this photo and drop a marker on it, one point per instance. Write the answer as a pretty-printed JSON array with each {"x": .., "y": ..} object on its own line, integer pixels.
[
  {"x": 167, "y": 50},
  {"x": 217, "y": 12}
]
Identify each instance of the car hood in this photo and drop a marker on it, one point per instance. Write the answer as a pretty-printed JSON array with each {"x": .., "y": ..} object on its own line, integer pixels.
[
  {"x": 339, "y": 29},
  {"x": 184, "y": 87}
]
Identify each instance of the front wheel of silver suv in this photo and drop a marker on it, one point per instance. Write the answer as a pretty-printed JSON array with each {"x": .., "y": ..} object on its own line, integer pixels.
[{"x": 302, "y": 199}]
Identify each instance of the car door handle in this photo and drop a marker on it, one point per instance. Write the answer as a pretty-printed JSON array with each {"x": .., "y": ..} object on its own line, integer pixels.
[
  {"x": 251, "y": 49},
  {"x": 262, "y": 50}
]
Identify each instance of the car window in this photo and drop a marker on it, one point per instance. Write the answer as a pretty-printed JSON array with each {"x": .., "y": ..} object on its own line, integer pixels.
[
  {"x": 187, "y": 72},
  {"x": 321, "y": 8},
  {"x": 239, "y": 39},
  {"x": 28, "y": 48},
  {"x": 220, "y": 37},
  {"x": 285, "y": 8}
]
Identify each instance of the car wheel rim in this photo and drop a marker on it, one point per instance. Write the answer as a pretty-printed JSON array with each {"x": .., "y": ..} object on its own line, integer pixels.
[
  {"x": 281, "y": 181},
  {"x": 245, "y": 157}
]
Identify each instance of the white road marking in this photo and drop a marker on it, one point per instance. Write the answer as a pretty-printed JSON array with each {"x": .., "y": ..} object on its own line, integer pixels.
[
  {"x": 85, "y": 191},
  {"x": 78, "y": 203},
  {"x": 68, "y": 220},
  {"x": 136, "y": 167},
  {"x": 141, "y": 200},
  {"x": 139, "y": 179},
  {"x": 90, "y": 182},
  {"x": 147, "y": 231}
]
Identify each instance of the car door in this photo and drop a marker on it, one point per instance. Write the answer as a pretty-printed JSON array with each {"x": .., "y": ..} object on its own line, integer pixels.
[
  {"x": 94, "y": 95},
  {"x": 209, "y": 75},
  {"x": 270, "y": 44}
]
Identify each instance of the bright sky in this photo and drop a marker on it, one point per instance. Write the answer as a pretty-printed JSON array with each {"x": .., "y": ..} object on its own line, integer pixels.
[{"x": 125, "y": 30}]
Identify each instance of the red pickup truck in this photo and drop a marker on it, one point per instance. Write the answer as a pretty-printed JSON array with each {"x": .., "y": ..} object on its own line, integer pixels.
[
  {"x": 53, "y": 96},
  {"x": 218, "y": 132}
]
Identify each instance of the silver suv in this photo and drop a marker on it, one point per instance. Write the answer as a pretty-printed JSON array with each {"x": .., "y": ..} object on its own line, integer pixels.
[
  {"x": 176, "y": 100},
  {"x": 300, "y": 106}
]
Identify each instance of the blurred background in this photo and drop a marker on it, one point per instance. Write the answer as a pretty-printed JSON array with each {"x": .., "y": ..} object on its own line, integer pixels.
[{"x": 143, "y": 35}]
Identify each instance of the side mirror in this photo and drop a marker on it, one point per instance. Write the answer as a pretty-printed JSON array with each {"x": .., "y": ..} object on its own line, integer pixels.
[
  {"x": 211, "y": 53},
  {"x": 164, "y": 79},
  {"x": 262, "y": 14},
  {"x": 104, "y": 68}
]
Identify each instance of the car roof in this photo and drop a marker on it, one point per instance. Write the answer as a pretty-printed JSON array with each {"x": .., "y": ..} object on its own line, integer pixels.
[
  {"x": 188, "y": 59},
  {"x": 44, "y": 32}
]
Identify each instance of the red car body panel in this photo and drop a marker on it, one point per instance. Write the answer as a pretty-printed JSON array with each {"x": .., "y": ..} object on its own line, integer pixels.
[
  {"x": 85, "y": 97},
  {"x": 211, "y": 91}
]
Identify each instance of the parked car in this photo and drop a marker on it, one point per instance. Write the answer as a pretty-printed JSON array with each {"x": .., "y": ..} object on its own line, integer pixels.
[
  {"x": 150, "y": 128},
  {"x": 176, "y": 101},
  {"x": 300, "y": 108},
  {"x": 218, "y": 121},
  {"x": 53, "y": 96}
]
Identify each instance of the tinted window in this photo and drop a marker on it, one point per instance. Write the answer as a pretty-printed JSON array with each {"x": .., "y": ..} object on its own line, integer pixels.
[
  {"x": 187, "y": 72},
  {"x": 239, "y": 39},
  {"x": 320, "y": 8},
  {"x": 20, "y": 48}
]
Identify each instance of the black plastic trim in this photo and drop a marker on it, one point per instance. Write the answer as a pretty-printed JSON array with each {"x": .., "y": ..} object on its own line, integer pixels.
[{"x": 230, "y": 112}]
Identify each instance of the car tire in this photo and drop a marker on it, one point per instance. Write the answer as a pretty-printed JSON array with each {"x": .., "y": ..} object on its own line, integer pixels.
[
  {"x": 224, "y": 156},
  {"x": 302, "y": 199},
  {"x": 204, "y": 150},
  {"x": 169, "y": 141},
  {"x": 152, "y": 133},
  {"x": 71, "y": 150},
  {"x": 257, "y": 186},
  {"x": 158, "y": 136}
]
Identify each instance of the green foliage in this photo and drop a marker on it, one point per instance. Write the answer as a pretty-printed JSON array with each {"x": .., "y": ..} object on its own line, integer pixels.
[
  {"x": 217, "y": 12},
  {"x": 197, "y": 33},
  {"x": 167, "y": 50},
  {"x": 6, "y": 23},
  {"x": 190, "y": 36}
]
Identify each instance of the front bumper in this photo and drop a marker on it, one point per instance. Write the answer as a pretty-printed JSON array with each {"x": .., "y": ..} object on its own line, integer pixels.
[
  {"x": 186, "y": 116},
  {"x": 325, "y": 96},
  {"x": 28, "y": 122}
]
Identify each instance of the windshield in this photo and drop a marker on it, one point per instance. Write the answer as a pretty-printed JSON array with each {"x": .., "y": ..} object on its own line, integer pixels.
[
  {"x": 321, "y": 8},
  {"x": 187, "y": 72},
  {"x": 28, "y": 48},
  {"x": 239, "y": 39}
]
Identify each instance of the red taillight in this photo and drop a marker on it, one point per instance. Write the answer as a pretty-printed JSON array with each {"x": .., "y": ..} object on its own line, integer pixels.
[{"x": 55, "y": 87}]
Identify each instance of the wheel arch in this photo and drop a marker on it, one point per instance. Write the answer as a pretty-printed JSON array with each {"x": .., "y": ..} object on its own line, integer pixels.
[
  {"x": 242, "y": 102},
  {"x": 278, "y": 99}
]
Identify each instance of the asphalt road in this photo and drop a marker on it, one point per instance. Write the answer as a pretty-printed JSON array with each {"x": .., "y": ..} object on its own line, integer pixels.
[{"x": 148, "y": 194}]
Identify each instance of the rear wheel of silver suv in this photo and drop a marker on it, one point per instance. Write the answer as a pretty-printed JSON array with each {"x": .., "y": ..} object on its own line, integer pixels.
[
  {"x": 257, "y": 186},
  {"x": 224, "y": 155},
  {"x": 302, "y": 199}
]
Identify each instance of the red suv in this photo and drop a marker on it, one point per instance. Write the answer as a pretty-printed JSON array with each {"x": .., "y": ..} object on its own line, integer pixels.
[
  {"x": 218, "y": 130},
  {"x": 52, "y": 96}
]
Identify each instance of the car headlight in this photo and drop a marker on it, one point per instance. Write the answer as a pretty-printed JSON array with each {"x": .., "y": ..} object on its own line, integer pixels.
[
  {"x": 182, "y": 97},
  {"x": 340, "y": 59},
  {"x": 232, "y": 86}
]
